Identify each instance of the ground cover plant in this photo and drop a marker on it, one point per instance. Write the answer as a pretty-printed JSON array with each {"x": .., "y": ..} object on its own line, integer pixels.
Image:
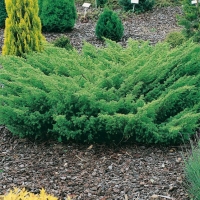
[{"x": 143, "y": 93}]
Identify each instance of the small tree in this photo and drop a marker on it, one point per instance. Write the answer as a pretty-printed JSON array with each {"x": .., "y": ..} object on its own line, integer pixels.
[
  {"x": 58, "y": 15},
  {"x": 22, "y": 28},
  {"x": 109, "y": 26},
  {"x": 3, "y": 13},
  {"x": 190, "y": 20}
]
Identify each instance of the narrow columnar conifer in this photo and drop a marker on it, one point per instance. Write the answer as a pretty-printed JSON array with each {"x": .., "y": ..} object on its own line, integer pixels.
[{"x": 22, "y": 28}]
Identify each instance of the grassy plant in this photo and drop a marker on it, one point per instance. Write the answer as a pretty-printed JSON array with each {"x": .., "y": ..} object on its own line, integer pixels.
[{"x": 192, "y": 171}]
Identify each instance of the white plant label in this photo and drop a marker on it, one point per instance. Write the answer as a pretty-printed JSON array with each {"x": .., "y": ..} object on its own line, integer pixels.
[
  {"x": 86, "y": 5},
  {"x": 135, "y": 1}
]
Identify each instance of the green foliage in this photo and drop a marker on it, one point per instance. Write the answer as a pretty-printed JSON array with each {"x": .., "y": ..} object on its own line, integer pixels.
[
  {"x": 192, "y": 172},
  {"x": 175, "y": 39},
  {"x": 166, "y": 3},
  {"x": 23, "y": 28},
  {"x": 142, "y": 93},
  {"x": 63, "y": 42},
  {"x": 190, "y": 20},
  {"x": 58, "y": 15},
  {"x": 40, "y": 2},
  {"x": 3, "y": 13},
  {"x": 109, "y": 26},
  {"x": 101, "y": 2},
  {"x": 142, "y": 6}
]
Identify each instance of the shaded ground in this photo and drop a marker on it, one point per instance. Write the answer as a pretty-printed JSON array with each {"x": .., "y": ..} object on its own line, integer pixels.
[{"x": 97, "y": 172}]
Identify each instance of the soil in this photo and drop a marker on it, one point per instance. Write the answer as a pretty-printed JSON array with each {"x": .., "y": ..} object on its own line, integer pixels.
[{"x": 98, "y": 172}]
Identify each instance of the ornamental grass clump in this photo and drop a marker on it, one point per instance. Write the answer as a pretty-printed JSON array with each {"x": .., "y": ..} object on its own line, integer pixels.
[
  {"x": 109, "y": 25},
  {"x": 23, "y": 28}
]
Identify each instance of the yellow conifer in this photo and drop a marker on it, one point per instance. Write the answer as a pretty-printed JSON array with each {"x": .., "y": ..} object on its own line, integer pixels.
[{"x": 22, "y": 28}]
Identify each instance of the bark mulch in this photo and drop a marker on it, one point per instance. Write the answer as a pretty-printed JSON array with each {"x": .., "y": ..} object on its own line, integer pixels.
[{"x": 92, "y": 172}]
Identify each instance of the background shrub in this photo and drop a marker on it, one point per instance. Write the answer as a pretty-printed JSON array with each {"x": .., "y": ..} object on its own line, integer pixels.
[
  {"x": 63, "y": 42},
  {"x": 101, "y": 2},
  {"x": 144, "y": 5},
  {"x": 190, "y": 20},
  {"x": 175, "y": 39},
  {"x": 22, "y": 29},
  {"x": 109, "y": 26},
  {"x": 3, "y": 13},
  {"x": 142, "y": 93},
  {"x": 58, "y": 15}
]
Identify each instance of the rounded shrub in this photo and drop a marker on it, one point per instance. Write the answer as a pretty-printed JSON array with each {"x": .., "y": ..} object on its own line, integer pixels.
[
  {"x": 58, "y": 15},
  {"x": 109, "y": 25},
  {"x": 175, "y": 39},
  {"x": 142, "y": 6},
  {"x": 63, "y": 42},
  {"x": 3, "y": 13}
]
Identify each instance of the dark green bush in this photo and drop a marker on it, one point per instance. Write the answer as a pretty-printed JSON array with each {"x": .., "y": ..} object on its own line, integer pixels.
[
  {"x": 109, "y": 26},
  {"x": 101, "y": 2},
  {"x": 58, "y": 15},
  {"x": 40, "y": 2},
  {"x": 144, "y": 5},
  {"x": 3, "y": 13},
  {"x": 190, "y": 20},
  {"x": 63, "y": 42},
  {"x": 175, "y": 39},
  {"x": 142, "y": 93}
]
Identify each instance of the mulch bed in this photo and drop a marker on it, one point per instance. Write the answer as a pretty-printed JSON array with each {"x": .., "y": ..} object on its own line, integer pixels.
[{"x": 89, "y": 172}]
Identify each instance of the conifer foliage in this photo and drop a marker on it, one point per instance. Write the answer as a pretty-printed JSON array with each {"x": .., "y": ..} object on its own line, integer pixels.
[
  {"x": 3, "y": 13},
  {"x": 109, "y": 26},
  {"x": 22, "y": 28},
  {"x": 58, "y": 15},
  {"x": 190, "y": 20},
  {"x": 142, "y": 6}
]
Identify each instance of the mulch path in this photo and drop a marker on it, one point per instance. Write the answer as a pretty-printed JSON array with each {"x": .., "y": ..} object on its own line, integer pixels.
[{"x": 98, "y": 172}]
